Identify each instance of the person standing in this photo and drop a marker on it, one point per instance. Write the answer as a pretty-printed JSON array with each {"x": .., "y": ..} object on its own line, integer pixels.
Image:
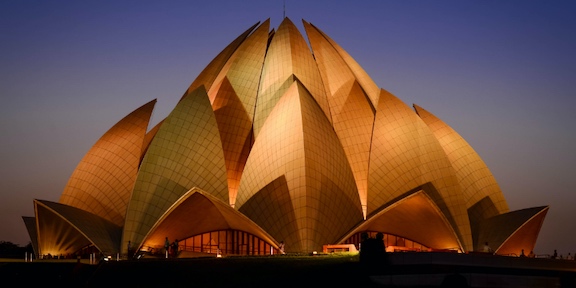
[
  {"x": 487, "y": 248},
  {"x": 166, "y": 246},
  {"x": 175, "y": 248},
  {"x": 130, "y": 254}
]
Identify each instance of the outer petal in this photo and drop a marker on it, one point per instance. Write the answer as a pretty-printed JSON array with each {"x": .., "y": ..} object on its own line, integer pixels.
[
  {"x": 406, "y": 155},
  {"x": 350, "y": 107},
  {"x": 185, "y": 153},
  {"x": 288, "y": 57},
  {"x": 428, "y": 226},
  {"x": 509, "y": 233},
  {"x": 208, "y": 75},
  {"x": 198, "y": 212},
  {"x": 233, "y": 98},
  {"x": 298, "y": 166},
  {"x": 103, "y": 180},
  {"x": 473, "y": 175},
  {"x": 368, "y": 85},
  {"x": 65, "y": 229}
]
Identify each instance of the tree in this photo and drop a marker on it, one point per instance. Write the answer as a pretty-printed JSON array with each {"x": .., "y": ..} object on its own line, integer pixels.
[{"x": 11, "y": 250}]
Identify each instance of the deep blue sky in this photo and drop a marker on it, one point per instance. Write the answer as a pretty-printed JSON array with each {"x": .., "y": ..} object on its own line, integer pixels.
[{"x": 502, "y": 73}]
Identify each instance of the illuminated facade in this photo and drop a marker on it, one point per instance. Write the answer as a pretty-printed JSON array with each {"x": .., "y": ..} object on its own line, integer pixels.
[{"x": 278, "y": 141}]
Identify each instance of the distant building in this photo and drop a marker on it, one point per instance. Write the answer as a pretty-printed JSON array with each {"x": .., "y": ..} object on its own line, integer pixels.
[{"x": 278, "y": 141}]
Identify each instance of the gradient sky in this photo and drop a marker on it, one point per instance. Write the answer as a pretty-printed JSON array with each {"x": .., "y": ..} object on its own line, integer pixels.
[{"x": 500, "y": 72}]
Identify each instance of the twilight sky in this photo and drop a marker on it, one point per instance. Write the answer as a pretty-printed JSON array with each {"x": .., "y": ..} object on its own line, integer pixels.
[{"x": 502, "y": 73}]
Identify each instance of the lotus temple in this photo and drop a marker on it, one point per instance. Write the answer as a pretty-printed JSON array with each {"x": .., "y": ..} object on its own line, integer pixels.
[{"x": 281, "y": 140}]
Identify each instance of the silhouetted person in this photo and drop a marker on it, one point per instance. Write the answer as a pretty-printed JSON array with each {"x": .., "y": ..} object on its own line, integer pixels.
[
  {"x": 379, "y": 244},
  {"x": 372, "y": 251},
  {"x": 130, "y": 254},
  {"x": 175, "y": 248},
  {"x": 365, "y": 248}
]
